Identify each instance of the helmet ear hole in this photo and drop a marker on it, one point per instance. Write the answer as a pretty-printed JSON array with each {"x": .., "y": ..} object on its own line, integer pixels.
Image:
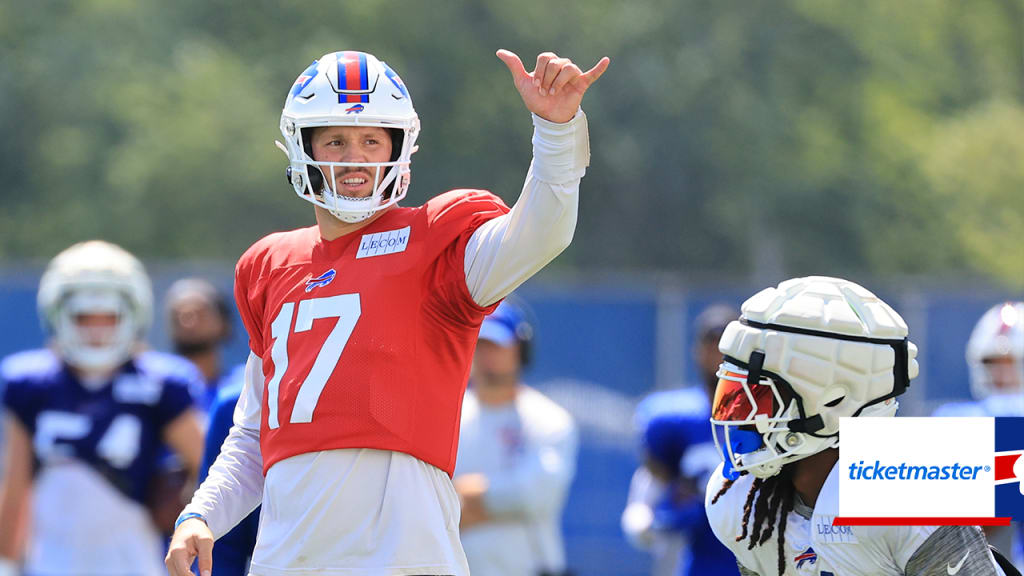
[
  {"x": 835, "y": 402},
  {"x": 397, "y": 139},
  {"x": 316, "y": 176}
]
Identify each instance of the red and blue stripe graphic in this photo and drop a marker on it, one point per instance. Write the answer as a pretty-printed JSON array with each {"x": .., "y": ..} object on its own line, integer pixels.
[{"x": 352, "y": 77}]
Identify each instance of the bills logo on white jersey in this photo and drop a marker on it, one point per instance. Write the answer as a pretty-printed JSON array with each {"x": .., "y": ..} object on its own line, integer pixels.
[
  {"x": 382, "y": 243},
  {"x": 806, "y": 557}
]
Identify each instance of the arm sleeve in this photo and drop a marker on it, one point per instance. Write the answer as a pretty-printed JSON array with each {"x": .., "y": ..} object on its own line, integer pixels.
[
  {"x": 234, "y": 549},
  {"x": 504, "y": 252},
  {"x": 234, "y": 486},
  {"x": 538, "y": 486},
  {"x": 949, "y": 547}
]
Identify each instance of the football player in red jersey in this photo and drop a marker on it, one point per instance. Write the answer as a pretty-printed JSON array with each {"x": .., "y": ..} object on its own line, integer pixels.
[{"x": 362, "y": 328}]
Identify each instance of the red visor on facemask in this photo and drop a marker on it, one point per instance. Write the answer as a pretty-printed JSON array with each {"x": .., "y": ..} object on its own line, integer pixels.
[{"x": 732, "y": 402}]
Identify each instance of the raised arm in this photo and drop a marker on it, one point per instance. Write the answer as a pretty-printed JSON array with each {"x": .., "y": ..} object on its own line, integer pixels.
[
  {"x": 233, "y": 488},
  {"x": 504, "y": 252}
]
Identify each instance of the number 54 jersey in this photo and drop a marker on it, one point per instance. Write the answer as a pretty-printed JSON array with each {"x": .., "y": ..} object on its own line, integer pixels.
[
  {"x": 366, "y": 340},
  {"x": 95, "y": 451}
]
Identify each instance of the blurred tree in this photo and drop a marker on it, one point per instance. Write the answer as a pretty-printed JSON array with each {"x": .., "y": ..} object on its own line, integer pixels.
[{"x": 769, "y": 139}]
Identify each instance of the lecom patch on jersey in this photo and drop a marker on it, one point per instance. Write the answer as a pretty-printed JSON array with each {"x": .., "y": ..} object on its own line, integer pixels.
[{"x": 383, "y": 243}]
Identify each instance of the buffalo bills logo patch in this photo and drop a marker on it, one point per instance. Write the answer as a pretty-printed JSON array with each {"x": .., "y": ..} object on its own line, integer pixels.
[
  {"x": 808, "y": 556},
  {"x": 321, "y": 280}
]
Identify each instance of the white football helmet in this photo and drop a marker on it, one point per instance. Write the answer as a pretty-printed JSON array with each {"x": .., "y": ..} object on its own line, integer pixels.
[
  {"x": 349, "y": 89},
  {"x": 95, "y": 277},
  {"x": 998, "y": 334},
  {"x": 800, "y": 357}
]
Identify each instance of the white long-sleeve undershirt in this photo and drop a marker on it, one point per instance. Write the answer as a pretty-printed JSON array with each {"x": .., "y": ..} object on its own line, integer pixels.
[{"x": 504, "y": 252}]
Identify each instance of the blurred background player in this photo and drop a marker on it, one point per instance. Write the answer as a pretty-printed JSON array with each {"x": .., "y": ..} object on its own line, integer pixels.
[
  {"x": 517, "y": 458},
  {"x": 995, "y": 360},
  {"x": 802, "y": 356},
  {"x": 87, "y": 418},
  {"x": 665, "y": 508},
  {"x": 199, "y": 319}
]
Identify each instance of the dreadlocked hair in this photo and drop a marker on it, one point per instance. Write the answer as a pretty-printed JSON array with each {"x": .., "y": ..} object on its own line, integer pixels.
[{"x": 768, "y": 499}]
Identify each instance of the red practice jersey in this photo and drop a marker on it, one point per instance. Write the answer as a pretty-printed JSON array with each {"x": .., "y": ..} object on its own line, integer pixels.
[{"x": 366, "y": 340}]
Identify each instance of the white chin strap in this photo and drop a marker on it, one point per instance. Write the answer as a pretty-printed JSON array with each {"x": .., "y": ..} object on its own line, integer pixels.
[{"x": 349, "y": 216}]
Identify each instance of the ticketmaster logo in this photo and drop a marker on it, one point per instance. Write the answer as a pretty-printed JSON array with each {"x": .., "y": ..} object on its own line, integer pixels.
[
  {"x": 904, "y": 471},
  {"x": 383, "y": 243}
]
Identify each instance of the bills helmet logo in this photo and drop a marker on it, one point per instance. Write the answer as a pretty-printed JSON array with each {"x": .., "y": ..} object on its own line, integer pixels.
[
  {"x": 304, "y": 79},
  {"x": 355, "y": 109},
  {"x": 321, "y": 280},
  {"x": 396, "y": 80}
]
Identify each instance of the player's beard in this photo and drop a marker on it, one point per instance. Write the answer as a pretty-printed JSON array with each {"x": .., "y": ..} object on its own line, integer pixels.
[{"x": 195, "y": 347}]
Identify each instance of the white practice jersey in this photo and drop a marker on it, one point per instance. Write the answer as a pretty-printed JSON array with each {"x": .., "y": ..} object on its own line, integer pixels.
[
  {"x": 371, "y": 512},
  {"x": 83, "y": 525},
  {"x": 527, "y": 450},
  {"x": 813, "y": 546}
]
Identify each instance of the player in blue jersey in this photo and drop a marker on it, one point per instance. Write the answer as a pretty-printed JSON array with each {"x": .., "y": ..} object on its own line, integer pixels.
[
  {"x": 665, "y": 512},
  {"x": 86, "y": 420}
]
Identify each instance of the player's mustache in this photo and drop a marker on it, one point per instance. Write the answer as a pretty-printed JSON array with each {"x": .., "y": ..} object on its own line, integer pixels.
[{"x": 343, "y": 170}]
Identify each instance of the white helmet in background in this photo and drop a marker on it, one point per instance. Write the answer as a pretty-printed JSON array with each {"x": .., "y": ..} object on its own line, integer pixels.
[
  {"x": 800, "y": 357},
  {"x": 999, "y": 334},
  {"x": 95, "y": 277},
  {"x": 349, "y": 89}
]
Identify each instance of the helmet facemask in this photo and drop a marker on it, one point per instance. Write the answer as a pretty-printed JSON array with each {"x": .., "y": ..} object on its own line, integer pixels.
[{"x": 758, "y": 422}]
